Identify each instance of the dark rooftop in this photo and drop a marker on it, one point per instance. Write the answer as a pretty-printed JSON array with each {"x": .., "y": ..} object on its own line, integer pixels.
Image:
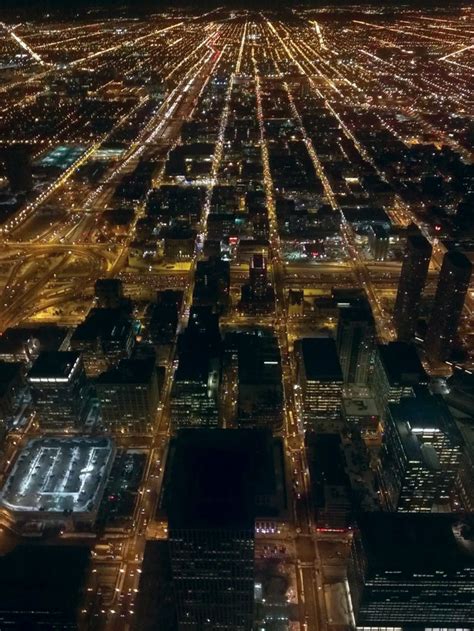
[
  {"x": 320, "y": 358},
  {"x": 458, "y": 259},
  {"x": 214, "y": 477},
  {"x": 129, "y": 371},
  {"x": 104, "y": 323},
  {"x": 48, "y": 338},
  {"x": 414, "y": 542},
  {"x": 401, "y": 363},
  {"x": 57, "y": 364},
  {"x": 9, "y": 371},
  {"x": 40, "y": 586}
]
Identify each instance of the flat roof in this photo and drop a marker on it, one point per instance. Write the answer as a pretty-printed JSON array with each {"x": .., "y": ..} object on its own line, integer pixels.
[
  {"x": 259, "y": 360},
  {"x": 326, "y": 458},
  {"x": 401, "y": 363},
  {"x": 320, "y": 359},
  {"x": 129, "y": 371},
  {"x": 108, "y": 324},
  {"x": 48, "y": 338},
  {"x": 413, "y": 415},
  {"x": 214, "y": 477},
  {"x": 54, "y": 364},
  {"x": 416, "y": 542},
  {"x": 42, "y": 584},
  {"x": 62, "y": 156},
  {"x": 53, "y": 475},
  {"x": 360, "y": 406}
]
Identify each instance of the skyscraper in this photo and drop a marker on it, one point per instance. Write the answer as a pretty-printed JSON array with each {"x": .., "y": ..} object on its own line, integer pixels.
[
  {"x": 215, "y": 480},
  {"x": 356, "y": 342},
  {"x": 412, "y": 281},
  {"x": 60, "y": 390},
  {"x": 397, "y": 371},
  {"x": 129, "y": 395},
  {"x": 423, "y": 451},
  {"x": 412, "y": 571},
  {"x": 320, "y": 378},
  {"x": 451, "y": 292},
  {"x": 18, "y": 167},
  {"x": 258, "y": 275}
]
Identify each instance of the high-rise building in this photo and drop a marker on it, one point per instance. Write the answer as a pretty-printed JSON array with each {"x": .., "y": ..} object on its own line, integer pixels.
[
  {"x": 413, "y": 276},
  {"x": 164, "y": 317},
  {"x": 60, "y": 390},
  {"x": 104, "y": 338},
  {"x": 129, "y": 395},
  {"x": 212, "y": 283},
  {"x": 194, "y": 395},
  {"x": 14, "y": 393},
  {"x": 17, "y": 161},
  {"x": 202, "y": 335},
  {"x": 397, "y": 371},
  {"x": 356, "y": 342},
  {"x": 258, "y": 295},
  {"x": 378, "y": 242},
  {"x": 109, "y": 292},
  {"x": 423, "y": 451},
  {"x": 330, "y": 485},
  {"x": 412, "y": 571},
  {"x": 321, "y": 380},
  {"x": 215, "y": 480},
  {"x": 451, "y": 291},
  {"x": 42, "y": 586},
  {"x": 260, "y": 390},
  {"x": 258, "y": 275}
]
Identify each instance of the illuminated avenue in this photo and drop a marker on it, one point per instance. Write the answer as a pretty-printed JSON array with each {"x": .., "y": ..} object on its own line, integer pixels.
[{"x": 307, "y": 151}]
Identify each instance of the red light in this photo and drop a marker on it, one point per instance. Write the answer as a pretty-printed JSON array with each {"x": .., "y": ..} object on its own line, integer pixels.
[{"x": 437, "y": 228}]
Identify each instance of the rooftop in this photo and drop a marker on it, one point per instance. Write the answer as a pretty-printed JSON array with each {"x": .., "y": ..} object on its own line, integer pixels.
[
  {"x": 359, "y": 406},
  {"x": 214, "y": 477},
  {"x": 416, "y": 542},
  {"x": 320, "y": 359},
  {"x": 108, "y": 324},
  {"x": 58, "y": 365},
  {"x": 415, "y": 416},
  {"x": 42, "y": 584},
  {"x": 129, "y": 371},
  {"x": 53, "y": 475},
  {"x": 401, "y": 363}
]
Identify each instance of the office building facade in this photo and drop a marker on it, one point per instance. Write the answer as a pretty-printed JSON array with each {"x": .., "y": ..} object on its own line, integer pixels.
[
  {"x": 60, "y": 390},
  {"x": 423, "y": 452},
  {"x": 215, "y": 478},
  {"x": 356, "y": 343},
  {"x": 320, "y": 379},
  {"x": 412, "y": 572},
  {"x": 129, "y": 396}
]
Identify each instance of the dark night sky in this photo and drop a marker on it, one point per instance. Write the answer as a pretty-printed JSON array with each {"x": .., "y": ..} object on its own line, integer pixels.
[{"x": 71, "y": 6}]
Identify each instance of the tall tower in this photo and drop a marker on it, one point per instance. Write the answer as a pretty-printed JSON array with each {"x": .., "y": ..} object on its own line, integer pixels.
[
  {"x": 18, "y": 167},
  {"x": 212, "y": 495},
  {"x": 356, "y": 342},
  {"x": 412, "y": 281},
  {"x": 451, "y": 292},
  {"x": 258, "y": 275}
]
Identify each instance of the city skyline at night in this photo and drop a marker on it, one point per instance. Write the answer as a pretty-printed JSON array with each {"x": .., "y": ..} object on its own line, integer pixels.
[{"x": 236, "y": 316}]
